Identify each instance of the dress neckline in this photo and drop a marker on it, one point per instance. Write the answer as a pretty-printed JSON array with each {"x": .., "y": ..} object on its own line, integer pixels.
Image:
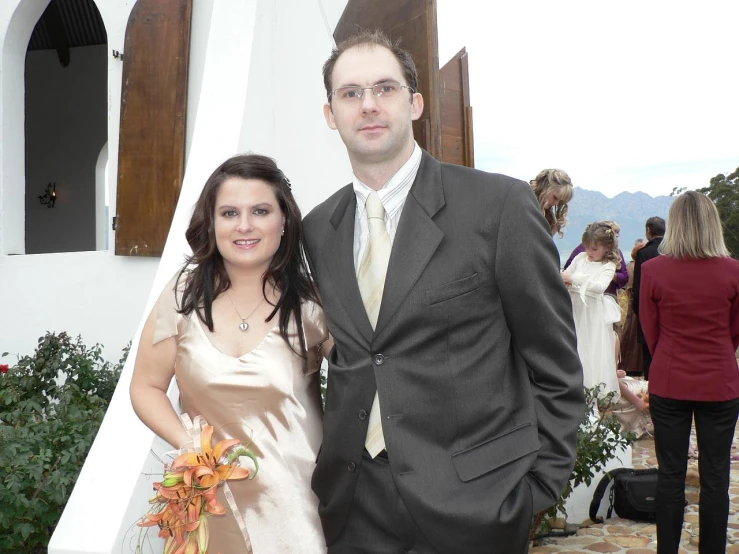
[{"x": 258, "y": 346}]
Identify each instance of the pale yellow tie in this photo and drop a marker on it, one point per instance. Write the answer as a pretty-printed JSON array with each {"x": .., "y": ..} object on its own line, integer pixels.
[{"x": 371, "y": 281}]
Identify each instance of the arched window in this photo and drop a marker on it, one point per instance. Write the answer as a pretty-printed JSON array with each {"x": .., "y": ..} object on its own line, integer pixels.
[{"x": 66, "y": 126}]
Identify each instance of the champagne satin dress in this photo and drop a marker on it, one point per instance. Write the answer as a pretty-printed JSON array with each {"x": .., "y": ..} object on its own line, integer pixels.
[{"x": 265, "y": 399}]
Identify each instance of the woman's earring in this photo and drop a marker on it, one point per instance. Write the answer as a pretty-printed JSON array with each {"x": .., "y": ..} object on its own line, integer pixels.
[{"x": 283, "y": 230}]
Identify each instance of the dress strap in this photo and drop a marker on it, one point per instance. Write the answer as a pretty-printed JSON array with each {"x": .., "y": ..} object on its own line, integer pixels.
[{"x": 167, "y": 318}]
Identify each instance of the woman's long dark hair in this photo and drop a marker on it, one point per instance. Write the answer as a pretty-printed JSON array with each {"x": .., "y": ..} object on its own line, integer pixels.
[{"x": 287, "y": 271}]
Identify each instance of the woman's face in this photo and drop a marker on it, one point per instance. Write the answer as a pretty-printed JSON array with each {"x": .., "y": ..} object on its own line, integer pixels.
[
  {"x": 248, "y": 223},
  {"x": 551, "y": 198}
]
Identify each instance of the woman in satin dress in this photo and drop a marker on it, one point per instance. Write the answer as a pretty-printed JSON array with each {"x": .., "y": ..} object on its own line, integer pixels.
[{"x": 241, "y": 330}]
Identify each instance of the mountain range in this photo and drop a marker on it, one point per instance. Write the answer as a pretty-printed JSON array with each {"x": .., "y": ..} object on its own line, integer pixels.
[{"x": 629, "y": 209}]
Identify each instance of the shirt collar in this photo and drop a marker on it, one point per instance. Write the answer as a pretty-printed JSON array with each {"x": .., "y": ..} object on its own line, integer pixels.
[{"x": 391, "y": 192}]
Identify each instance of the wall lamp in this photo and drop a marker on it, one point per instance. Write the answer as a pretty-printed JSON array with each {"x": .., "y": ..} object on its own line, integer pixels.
[{"x": 49, "y": 196}]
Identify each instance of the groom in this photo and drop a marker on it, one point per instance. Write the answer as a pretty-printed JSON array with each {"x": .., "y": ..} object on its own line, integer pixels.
[{"x": 455, "y": 389}]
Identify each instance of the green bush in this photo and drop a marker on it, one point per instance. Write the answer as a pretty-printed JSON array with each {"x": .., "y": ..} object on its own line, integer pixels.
[
  {"x": 599, "y": 439},
  {"x": 51, "y": 406}
]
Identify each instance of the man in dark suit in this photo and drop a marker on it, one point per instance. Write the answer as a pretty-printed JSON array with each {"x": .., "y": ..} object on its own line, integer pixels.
[
  {"x": 655, "y": 230},
  {"x": 455, "y": 390}
]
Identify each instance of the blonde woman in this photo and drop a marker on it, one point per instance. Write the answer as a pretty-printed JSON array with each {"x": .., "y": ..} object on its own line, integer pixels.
[
  {"x": 553, "y": 189},
  {"x": 689, "y": 312}
]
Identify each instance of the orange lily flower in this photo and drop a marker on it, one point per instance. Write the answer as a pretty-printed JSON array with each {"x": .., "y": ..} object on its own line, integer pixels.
[{"x": 188, "y": 493}]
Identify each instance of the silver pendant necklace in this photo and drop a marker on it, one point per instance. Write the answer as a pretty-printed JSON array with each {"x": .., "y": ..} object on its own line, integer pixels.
[{"x": 244, "y": 325}]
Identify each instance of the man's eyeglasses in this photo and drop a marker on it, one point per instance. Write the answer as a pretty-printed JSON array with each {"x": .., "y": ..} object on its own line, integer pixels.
[{"x": 352, "y": 94}]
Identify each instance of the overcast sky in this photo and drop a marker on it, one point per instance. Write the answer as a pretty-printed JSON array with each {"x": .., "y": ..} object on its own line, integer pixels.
[{"x": 627, "y": 96}]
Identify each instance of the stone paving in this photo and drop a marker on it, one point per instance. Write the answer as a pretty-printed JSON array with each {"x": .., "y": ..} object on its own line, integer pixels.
[{"x": 622, "y": 536}]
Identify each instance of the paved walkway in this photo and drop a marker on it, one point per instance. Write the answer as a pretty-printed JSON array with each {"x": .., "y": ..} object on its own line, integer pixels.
[{"x": 629, "y": 537}]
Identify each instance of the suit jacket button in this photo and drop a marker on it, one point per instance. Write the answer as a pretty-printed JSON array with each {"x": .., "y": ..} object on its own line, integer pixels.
[
  {"x": 351, "y": 466},
  {"x": 362, "y": 414},
  {"x": 379, "y": 359}
]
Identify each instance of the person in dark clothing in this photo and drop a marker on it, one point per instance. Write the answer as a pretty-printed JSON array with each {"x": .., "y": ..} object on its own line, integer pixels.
[{"x": 655, "y": 231}]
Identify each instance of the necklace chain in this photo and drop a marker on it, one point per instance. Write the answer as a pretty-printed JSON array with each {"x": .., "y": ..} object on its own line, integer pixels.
[{"x": 244, "y": 325}]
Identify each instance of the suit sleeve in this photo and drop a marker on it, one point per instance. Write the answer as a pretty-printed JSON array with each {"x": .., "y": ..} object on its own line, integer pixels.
[
  {"x": 538, "y": 313},
  {"x": 648, "y": 310},
  {"x": 637, "y": 281}
]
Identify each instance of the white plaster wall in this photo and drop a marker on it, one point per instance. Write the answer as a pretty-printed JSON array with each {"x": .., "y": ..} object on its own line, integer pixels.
[
  {"x": 93, "y": 294},
  {"x": 66, "y": 125},
  {"x": 17, "y": 20},
  {"x": 284, "y": 110},
  {"x": 101, "y": 193},
  {"x": 45, "y": 292}
]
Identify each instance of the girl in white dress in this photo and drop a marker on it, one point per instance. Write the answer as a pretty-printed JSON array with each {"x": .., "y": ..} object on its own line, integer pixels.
[{"x": 587, "y": 279}]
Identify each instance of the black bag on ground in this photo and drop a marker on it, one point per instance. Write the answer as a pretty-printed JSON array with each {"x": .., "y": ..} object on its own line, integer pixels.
[{"x": 633, "y": 494}]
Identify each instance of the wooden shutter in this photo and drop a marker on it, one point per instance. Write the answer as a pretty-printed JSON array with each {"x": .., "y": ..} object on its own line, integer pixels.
[
  {"x": 457, "y": 144},
  {"x": 151, "y": 155},
  {"x": 413, "y": 21}
]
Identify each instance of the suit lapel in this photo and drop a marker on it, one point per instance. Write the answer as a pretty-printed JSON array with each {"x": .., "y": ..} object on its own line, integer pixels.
[
  {"x": 338, "y": 254},
  {"x": 416, "y": 239}
]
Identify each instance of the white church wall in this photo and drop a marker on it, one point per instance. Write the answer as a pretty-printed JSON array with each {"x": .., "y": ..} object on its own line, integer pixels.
[
  {"x": 102, "y": 184},
  {"x": 66, "y": 125},
  {"x": 284, "y": 110},
  {"x": 94, "y": 294},
  {"x": 17, "y": 20}
]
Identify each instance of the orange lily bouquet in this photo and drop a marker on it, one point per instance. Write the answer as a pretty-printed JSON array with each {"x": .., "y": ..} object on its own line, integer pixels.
[{"x": 187, "y": 494}]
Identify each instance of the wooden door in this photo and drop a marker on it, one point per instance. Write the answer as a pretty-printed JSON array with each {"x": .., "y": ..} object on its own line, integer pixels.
[
  {"x": 457, "y": 144},
  {"x": 151, "y": 155},
  {"x": 414, "y": 22}
]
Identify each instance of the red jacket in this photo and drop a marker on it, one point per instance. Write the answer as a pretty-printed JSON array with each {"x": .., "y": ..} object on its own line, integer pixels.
[{"x": 689, "y": 311}]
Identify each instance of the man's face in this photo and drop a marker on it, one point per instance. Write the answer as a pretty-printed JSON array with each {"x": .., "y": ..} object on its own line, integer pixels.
[{"x": 374, "y": 129}]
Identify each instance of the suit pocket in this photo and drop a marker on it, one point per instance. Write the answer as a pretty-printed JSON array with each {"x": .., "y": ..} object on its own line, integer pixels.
[
  {"x": 451, "y": 290},
  {"x": 507, "y": 447}
]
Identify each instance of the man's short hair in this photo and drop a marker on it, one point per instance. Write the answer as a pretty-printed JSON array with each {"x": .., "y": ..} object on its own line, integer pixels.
[
  {"x": 371, "y": 39},
  {"x": 656, "y": 226}
]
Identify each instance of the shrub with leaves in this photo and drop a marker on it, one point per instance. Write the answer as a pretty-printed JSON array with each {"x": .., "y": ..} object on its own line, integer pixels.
[
  {"x": 51, "y": 406},
  {"x": 599, "y": 439}
]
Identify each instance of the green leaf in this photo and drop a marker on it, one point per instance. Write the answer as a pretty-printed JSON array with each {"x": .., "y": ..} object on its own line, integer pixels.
[
  {"x": 25, "y": 529},
  {"x": 46, "y": 430}
]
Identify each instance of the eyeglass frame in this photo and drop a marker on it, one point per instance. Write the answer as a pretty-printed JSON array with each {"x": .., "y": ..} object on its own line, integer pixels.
[{"x": 372, "y": 88}]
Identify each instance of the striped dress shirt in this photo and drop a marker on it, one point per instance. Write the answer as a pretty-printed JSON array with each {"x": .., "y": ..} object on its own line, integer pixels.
[{"x": 393, "y": 195}]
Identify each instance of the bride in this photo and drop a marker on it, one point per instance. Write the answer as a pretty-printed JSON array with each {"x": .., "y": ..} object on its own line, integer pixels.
[{"x": 240, "y": 328}]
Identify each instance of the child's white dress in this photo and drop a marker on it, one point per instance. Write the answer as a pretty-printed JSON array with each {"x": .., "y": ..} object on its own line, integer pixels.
[{"x": 596, "y": 341}]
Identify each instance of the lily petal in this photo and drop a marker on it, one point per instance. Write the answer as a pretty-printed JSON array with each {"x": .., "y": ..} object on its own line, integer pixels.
[
  {"x": 185, "y": 460},
  {"x": 224, "y": 445},
  {"x": 205, "y": 436},
  {"x": 232, "y": 472}
]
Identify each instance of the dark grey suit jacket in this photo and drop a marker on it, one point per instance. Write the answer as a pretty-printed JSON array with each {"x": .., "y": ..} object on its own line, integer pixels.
[
  {"x": 474, "y": 356},
  {"x": 649, "y": 251}
]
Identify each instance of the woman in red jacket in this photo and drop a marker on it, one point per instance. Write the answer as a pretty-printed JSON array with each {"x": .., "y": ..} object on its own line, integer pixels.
[{"x": 689, "y": 311}]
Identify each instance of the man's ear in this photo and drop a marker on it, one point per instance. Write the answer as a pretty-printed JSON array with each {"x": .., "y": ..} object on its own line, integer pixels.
[
  {"x": 328, "y": 113},
  {"x": 416, "y": 106}
]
